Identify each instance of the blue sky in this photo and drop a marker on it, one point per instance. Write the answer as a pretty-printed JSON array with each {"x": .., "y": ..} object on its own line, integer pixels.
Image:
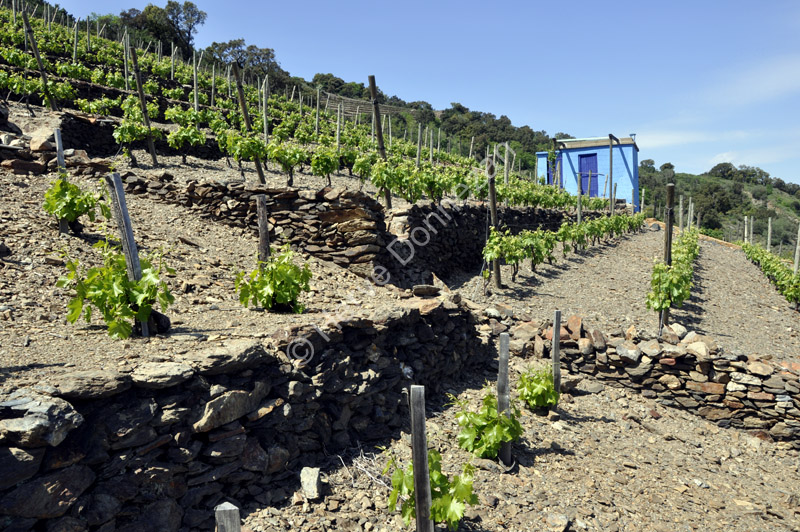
[{"x": 699, "y": 82}]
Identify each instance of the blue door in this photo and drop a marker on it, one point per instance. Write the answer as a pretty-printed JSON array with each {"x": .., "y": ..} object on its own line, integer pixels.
[{"x": 587, "y": 167}]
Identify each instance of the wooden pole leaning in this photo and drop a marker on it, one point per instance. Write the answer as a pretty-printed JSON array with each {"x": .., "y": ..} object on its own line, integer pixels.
[
  {"x": 316, "y": 118},
  {"x": 669, "y": 220},
  {"x": 680, "y": 212},
  {"x": 120, "y": 211},
  {"x": 373, "y": 91},
  {"x": 246, "y": 116},
  {"x": 150, "y": 144},
  {"x": 419, "y": 457},
  {"x": 29, "y": 33},
  {"x": 503, "y": 397}
]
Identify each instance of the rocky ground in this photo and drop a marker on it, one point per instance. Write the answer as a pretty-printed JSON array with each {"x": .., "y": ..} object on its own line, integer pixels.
[{"x": 605, "y": 459}]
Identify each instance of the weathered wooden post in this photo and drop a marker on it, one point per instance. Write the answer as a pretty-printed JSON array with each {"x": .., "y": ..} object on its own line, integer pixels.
[
  {"x": 150, "y": 144},
  {"x": 246, "y": 116},
  {"x": 680, "y": 212},
  {"x": 338, "y": 124},
  {"x": 316, "y": 118},
  {"x": 752, "y": 225},
  {"x": 74, "y": 42},
  {"x": 373, "y": 91},
  {"x": 213, "y": 82},
  {"x": 263, "y": 228},
  {"x": 419, "y": 457},
  {"x": 493, "y": 211},
  {"x": 769, "y": 234},
  {"x": 266, "y": 110},
  {"x": 668, "y": 219},
  {"x": 503, "y": 398},
  {"x": 29, "y": 33},
  {"x": 797, "y": 251},
  {"x": 744, "y": 239},
  {"x": 120, "y": 210},
  {"x": 419, "y": 143},
  {"x": 194, "y": 80},
  {"x": 63, "y": 226},
  {"x": 471, "y": 144},
  {"x": 227, "y": 518},
  {"x": 555, "y": 351}
]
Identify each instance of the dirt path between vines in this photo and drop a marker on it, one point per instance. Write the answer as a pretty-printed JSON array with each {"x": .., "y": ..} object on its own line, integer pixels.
[{"x": 731, "y": 300}]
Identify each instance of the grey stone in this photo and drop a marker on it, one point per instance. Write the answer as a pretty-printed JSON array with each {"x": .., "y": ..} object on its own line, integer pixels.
[
  {"x": 425, "y": 290},
  {"x": 650, "y": 348},
  {"x": 38, "y": 419},
  {"x": 230, "y": 406},
  {"x": 92, "y": 384},
  {"x": 235, "y": 355},
  {"x": 592, "y": 386},
  {"x": 227, "y": 448},
  {"x": 156, "y": 375},
  {"x": 18, "y": 465},
  {"x": 311, "y": 483},
  {"x": 629, "y": 352},
  {"x": 48, "y": 496},
  {"x": 101, "y": 509},
  {"x": 640, "y": 370},
  {"x": 678, "y": 329}
]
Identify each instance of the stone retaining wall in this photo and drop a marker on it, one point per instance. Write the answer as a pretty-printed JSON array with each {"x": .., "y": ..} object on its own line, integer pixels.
[
  {"x": 155, "y": 449},
  {"x": 682, "y": 370}
]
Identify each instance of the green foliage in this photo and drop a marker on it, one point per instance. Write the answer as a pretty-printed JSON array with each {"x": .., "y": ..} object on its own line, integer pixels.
[
  {"x": 483, "y": 432},
  {"x": 449, "y": 498},
  {"x": 176, "y": 94},
  {"x": 324, "y": 162},
  {"x": 102, "y": 106},
  {"x": 107, "y": 288},
  {"x": 287, "y": 155},
  {"x": 67, "y": 201},
  {"x": 275, "y": 284},
  {"x": 536, "y": 387},
  {"x": 671, "y": 285},
  {"x": 778, "y": 272}
]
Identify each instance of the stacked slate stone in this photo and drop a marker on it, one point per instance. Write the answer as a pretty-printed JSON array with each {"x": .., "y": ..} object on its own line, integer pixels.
[
  {"x": 683, "y": 369},
  {"x": 158, "y": 447}
]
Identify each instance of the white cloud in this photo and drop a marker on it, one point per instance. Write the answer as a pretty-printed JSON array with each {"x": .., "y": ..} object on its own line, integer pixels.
[
  {"x": 664, "y": 138},
  {"x": 769, "y": 79}
]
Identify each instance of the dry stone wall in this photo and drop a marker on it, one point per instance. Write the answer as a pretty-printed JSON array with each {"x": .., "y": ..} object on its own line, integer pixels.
[
  {"x": 156, "y": 448},
  {"x": 683, "y": 370}
]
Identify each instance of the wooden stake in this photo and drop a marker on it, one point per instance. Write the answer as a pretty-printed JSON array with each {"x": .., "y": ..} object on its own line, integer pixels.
[
  {"x": 120, "y": 210},
  {"x": 213, "y": 81},
  {"x": 172, "y": 67},
  {"x": 373, "y": 91},
  {"x": 63, "y": 226},
  {"x": 680, "y": 212},
  {"x": 263, "y": 228},
  {"x": 493, "y": 213},
  {"x": 797, "y": 251},
  {"x": 503, "y": 398},
  {"x": 419, "y": 144},
  {"x": 419, "y": 457},
  {"x": 194, "y": 68},
  {"x": 555, "y": 351},
  {"x": 227, "y": 518},
  {"x": 246, "y": 116},
  {"x": 769, "y": 233},
  {"x": 88, "y": 36},
  {"x": 745, "y": 229},
  {"x": 150, "y": 144},
  {"x": 35, "y": 48},
  {"x": 669, "y": 220},
  {"x": 471, "y": 144},
  {"x": 316, "y": 118},
  {"x": 338, "y": 124},
  {"x": 266, "y": 109},
  {"x": 611, "y": 170},
  {"x": 126, "y": 47}
]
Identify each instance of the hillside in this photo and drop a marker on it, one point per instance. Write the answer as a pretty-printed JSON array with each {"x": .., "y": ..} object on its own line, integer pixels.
[
  {"x": 724, "y": 196},
  {"x": 286, "y": 414}
]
